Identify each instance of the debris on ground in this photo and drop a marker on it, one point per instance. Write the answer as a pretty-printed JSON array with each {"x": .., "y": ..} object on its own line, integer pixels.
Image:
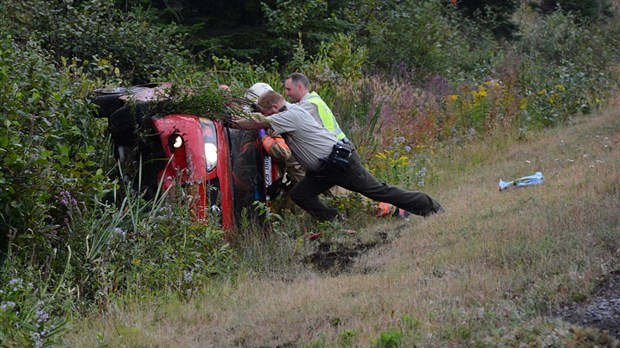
[{"x": 534, "y": 179}]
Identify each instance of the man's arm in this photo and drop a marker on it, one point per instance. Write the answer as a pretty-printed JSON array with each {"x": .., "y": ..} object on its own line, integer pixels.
[
  {"x": 249, "y": 123},
  {"x": 276, "y": 147}
]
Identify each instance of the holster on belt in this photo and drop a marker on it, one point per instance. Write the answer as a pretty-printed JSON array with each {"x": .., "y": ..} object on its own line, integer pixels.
[{"x": 338, "y": 160}]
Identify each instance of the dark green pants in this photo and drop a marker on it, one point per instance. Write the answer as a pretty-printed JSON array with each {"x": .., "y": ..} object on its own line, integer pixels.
[{"x": 356, "y": 178}]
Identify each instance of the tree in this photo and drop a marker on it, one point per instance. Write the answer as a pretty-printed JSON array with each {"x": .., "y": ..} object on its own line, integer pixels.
[
  {"x": 494, "y": 14},
  {"x": 255, "y": 30}
]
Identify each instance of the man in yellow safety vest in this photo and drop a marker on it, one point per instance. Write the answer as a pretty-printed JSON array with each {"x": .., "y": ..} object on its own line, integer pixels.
[{"x": 297, "y": 89}]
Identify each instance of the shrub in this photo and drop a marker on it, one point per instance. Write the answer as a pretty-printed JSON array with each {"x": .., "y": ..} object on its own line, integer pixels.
[
  {"x": 336, "y": 62},
  {"x": 47, "y": 144},
  {"x": 429, "y": 38},
  {"x": 564, "y": 68},
  {"x": 481, "y": 109},
  {"x": 494, "y": 14},
  {"x": 311, "y": 22},
  {"x": 583, "y": 9},
  {"x": 94, "y": 29},
  {"x": 240, "y": 76}
]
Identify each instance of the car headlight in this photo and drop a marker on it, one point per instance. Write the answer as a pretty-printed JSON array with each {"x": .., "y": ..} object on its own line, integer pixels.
[
  {"x": 210, "y": 155},
  {"x": 175, "y": 140}
]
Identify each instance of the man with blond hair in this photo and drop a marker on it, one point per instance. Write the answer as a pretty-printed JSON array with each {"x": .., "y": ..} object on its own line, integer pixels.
[
  {"x": 288, "y": 169},
  {"x": 328, "y": 162}
]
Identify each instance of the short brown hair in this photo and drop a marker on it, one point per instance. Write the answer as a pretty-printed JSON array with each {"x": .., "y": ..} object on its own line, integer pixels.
[
  {"x": 299, "y": 78},
  {"x": 268, "y": 99}
]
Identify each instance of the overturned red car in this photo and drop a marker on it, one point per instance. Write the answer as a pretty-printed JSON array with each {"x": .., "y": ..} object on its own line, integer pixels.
[{"x": 222, "y": 168}]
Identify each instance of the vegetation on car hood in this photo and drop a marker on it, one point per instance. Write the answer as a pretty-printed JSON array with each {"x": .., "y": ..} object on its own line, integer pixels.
[{"x": 200, "y": 101}]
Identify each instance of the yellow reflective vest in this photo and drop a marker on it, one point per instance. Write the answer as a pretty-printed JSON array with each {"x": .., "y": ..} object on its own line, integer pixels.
[{"x": 329, "y": 121}]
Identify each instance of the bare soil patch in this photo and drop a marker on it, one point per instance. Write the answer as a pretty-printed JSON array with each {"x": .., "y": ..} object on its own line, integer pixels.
[
  {"x": 336, "y": 257},
  {"x": 601, "y": 310}
]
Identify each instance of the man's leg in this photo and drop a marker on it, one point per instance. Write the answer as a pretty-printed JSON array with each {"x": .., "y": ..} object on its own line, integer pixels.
[
  {"x": 306, "y": 195},
  {"x": 357, "y": 179}
]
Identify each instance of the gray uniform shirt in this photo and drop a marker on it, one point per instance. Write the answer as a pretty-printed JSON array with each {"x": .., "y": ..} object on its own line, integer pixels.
[{"x": 309, "y": 141}]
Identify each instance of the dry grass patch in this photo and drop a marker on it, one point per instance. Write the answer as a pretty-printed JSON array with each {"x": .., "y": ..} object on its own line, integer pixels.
[{"x": 488, "y": 272}]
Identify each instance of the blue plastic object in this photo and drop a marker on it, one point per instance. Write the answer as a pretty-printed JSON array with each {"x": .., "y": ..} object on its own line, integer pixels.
[{"x": 535, "y": 179}]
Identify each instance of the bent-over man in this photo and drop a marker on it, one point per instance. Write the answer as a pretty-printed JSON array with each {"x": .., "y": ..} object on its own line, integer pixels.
[{"x": 328, "y": 162}]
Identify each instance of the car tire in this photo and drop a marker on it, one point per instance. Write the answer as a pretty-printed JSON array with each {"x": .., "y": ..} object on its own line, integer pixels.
[{"x": 108, "y": 103}]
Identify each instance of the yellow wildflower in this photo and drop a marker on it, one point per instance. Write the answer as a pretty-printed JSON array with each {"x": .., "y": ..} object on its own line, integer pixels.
[{"x": 481, "y": 93}]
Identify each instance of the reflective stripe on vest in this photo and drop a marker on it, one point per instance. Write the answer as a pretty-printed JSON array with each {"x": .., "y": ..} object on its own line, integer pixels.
[
  {"x": 269, "y": 141},
  {"x": 329, "y": 121}
]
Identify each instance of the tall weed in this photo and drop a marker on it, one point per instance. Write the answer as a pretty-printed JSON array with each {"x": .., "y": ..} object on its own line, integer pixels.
[
  {"x": 28, "y": 314},
  {"x": 564, "y": 68}
]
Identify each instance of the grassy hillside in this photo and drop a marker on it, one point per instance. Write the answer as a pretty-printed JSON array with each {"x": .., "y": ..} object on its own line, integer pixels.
[{"x": 492, "y": 271}]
